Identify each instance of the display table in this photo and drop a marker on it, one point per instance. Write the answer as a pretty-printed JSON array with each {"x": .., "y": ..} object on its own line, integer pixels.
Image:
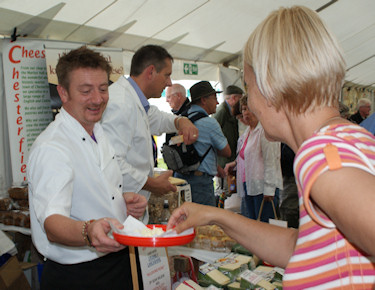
[
  {"x": 25, "y": 231},
  {"x": 201, "y": 255}
]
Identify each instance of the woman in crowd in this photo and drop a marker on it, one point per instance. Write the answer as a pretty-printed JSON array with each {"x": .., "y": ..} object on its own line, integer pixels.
[
  {"x": 294, "y": 70},
  {"x": 258, "y": 167}
]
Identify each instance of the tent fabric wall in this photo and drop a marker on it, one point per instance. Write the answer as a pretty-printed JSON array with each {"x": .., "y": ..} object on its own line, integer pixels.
[
  {"x": 228, "y": 76},
  {"x": 206, "y": 71}
]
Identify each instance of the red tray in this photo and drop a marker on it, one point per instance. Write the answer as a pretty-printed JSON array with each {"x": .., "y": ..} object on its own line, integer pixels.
[{"x": 154, "y": 241}]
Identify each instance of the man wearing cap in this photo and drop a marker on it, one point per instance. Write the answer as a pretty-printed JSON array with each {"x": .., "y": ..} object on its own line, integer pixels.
[
  {"x": 203, "y": 100},
  {"x": 229, "y": 124}
]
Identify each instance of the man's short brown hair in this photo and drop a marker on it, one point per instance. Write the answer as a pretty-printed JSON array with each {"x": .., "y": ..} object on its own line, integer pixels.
[{"x": 82, "y": 57}]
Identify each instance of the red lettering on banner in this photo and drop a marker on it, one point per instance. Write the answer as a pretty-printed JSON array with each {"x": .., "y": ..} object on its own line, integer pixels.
[
  {"x": 25, "y": 53},
  {"x": 16, "y": 74},
  {"x": 11, "y": 52},
  {"x": 21, "y": 142},
  {"x": 16, "y": 54},
  {"x": 52, "y": 70},
  {"x": 32, "y": 53}
]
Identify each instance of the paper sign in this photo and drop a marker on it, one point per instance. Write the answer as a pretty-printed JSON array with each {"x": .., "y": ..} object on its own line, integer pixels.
[
  {"x": 155, "y": 268},
  {"x": 184, "y": 193}
]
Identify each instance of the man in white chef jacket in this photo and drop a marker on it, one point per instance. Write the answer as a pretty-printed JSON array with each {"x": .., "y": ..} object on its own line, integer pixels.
[
  {"x": 75, "y": 185},
  {"x": 129, "y": 120}
]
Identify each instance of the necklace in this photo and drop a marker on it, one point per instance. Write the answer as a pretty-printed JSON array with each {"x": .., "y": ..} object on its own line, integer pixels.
[{"x": 327, "y": 122}]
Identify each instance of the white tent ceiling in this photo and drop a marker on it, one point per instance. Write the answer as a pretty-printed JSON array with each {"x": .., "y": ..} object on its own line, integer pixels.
[{"x": 211, "y": 31}]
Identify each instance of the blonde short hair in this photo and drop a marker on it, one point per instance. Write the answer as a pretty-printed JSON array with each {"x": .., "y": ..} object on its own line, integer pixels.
[{"x": 296, "y": 60}]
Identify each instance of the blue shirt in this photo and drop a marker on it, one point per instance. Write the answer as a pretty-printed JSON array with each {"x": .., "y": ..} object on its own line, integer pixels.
[
  {"x": 140, "y": 94},
  {"x": 369, "y": 123},
  {"x": 210, "y": 133}
]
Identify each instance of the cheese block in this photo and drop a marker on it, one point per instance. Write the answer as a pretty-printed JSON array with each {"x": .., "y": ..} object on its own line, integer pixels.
[
  {"x": 218, "y": 277},
  {"x": 264, "y": 269},
  {"x": 243, "y": 259},
  {"x": 278, "y": 284},
  {"x": 189, "y": 285},
  {"x": 252, "y": 280},
  {"x": 266, "y": 285},
  {"x": 249, "y": 279},
  {"x": 234, "y": 286},
  {"x": 233, "y": 269},
  {"x": 208, "y": 274},
  {"x": 279, "y": 274},
  {"x": 176, "y": 181}
]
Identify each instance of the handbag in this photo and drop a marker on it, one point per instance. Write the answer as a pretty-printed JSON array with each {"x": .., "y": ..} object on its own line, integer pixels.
[{"x": 261, "y": 209}]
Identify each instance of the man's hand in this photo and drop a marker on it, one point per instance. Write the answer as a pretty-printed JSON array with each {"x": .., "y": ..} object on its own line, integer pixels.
[
  {"x": 160, "y": 185},
  {"x": 228, "y": 169},
  {"x": 66, "y": 231},
  {"x": 135, "y": 204},
  {"x": 220, "y": 172},
  {"x": 97, "y": 232},
  {"x": 187, "y": 129}
]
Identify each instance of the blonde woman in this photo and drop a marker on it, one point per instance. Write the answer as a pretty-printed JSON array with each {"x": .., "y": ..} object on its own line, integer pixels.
[{"x": 294, "y": 70}]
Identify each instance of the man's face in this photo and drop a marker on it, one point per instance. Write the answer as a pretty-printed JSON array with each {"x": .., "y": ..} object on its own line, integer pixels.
[
  {"x": 161, "y": 79},
  {"x": 365, "y": 111},
  {"x": 211, "y": 103},
  {"x": 87, "y": 96},
  {"x": 234, "y": 99},
  {"x": 173, "y": 98}
]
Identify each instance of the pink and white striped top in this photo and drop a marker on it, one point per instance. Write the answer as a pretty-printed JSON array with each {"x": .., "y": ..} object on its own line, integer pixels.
[{"x": 323, "y": 257}]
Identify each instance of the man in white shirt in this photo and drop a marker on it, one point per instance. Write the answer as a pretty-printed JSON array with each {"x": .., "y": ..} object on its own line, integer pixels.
[
  {"x": 130, "y": 120},
  {"x": 75, "y": 185}
]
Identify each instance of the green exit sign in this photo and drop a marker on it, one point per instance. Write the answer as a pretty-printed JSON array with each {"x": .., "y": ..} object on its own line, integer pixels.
[{"x": 190, "y": 69}]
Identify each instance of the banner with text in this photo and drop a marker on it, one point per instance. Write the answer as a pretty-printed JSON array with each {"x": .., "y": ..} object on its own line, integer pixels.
[
  {"x": 27, "y": 100},
  {"x": 53, "y": 53}
]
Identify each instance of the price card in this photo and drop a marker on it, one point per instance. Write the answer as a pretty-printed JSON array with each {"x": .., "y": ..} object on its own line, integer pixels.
[{"x": 155, "y": 268}]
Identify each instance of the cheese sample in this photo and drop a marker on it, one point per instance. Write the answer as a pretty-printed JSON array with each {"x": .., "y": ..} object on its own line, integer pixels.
[{"x": 146, "y": 232}]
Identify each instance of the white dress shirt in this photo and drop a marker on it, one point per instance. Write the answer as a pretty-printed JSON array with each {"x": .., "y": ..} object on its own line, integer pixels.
[
  {"x": 129, "y": 129},
  {"x": 72, "y": 175}
]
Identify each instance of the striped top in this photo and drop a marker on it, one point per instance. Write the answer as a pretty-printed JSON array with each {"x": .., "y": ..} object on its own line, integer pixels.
[{"x": 323, "y": 257}]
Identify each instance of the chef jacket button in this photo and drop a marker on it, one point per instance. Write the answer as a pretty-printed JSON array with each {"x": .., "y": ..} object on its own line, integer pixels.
[
  {"x": 113, "y": 197},
  {"x": 83, "y": 139},
  {"x": 119, "y": 185}
]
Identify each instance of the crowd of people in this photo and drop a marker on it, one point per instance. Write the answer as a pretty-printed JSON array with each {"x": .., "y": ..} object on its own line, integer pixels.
[{"x": 94, "y": 163}]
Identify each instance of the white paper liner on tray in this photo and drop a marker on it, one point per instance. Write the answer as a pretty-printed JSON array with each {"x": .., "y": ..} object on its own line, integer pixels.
[{"x": 134, "y": 227}]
